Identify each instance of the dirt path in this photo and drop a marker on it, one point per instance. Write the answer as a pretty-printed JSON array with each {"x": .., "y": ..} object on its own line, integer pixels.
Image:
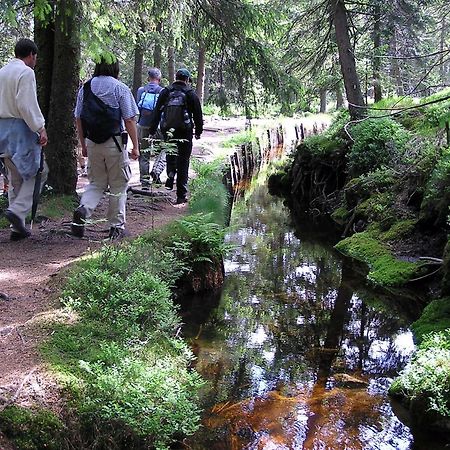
[{"x": 28, "y": 295}]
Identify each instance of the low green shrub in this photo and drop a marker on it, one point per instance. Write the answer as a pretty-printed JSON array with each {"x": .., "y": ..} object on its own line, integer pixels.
[
  {"x": 244, "y": 137},
  {"x": 437, "y": 114},
  {"x": 208, "y": 193},
  {"x": 119, "y": 356},
  {"x": 377, "y": 143},
  {"x": 436, "y": 199},
  {"x": 427, "y": 376}
]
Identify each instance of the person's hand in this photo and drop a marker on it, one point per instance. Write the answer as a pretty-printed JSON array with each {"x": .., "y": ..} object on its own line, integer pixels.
[
  {"x": 43, "y": 138},
  {"x": 134, "y": 153}
]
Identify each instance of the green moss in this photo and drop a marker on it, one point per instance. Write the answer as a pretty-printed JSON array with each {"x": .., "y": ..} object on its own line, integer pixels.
[
  {"x": 30, "y": 430},
  {"x": 435, "y": 317},
  {"x": 376, "y": 208},
  {"x": 322, "y": 144},
  {"x": 385, "y": 269},
  {"x": 340, "y": 215},
  {"x": 398, "y": 230},
  {"x": 377, "y": 142}
]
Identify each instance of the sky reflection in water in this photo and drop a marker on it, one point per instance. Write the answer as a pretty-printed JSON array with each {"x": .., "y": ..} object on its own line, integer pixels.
[{"x": 296, "y": 354}]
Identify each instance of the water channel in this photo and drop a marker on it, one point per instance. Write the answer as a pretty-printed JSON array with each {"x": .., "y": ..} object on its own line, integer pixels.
[{"x": 297, "y": 351}]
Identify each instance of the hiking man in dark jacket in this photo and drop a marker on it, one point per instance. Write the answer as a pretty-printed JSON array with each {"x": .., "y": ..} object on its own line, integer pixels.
[{"x": 179, "y": 114}]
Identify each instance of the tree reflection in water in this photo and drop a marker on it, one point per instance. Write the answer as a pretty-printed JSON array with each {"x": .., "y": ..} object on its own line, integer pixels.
[{"x": 293, "y": 355}]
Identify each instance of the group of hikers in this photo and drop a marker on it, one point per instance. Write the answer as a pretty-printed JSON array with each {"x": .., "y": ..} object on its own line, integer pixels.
[{"x": 112, "y": 127}]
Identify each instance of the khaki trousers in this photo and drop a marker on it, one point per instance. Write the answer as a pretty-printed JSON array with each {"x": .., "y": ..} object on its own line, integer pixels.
[{"x": 107, "y": 167}]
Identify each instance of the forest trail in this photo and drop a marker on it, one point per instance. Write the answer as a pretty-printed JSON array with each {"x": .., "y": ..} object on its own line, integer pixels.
[{"x": 31, "y": 272}]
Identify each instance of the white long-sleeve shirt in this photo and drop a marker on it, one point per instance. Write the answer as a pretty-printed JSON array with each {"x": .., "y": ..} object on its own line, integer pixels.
[{"x": 18, "y": 98}]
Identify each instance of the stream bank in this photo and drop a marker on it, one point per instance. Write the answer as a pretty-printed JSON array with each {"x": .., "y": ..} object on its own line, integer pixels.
[{"x": 384, "y": 184}]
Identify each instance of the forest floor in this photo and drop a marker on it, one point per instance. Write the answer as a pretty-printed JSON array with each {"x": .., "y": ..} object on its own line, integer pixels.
[{"x": 32, "y": 270}]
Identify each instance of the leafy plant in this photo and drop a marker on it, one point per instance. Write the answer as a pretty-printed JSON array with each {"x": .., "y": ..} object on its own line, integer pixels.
[
  {"x": 428, "y": 373},
  {"x": 208, "y": 193},
  {"x": 377, "y": 142}
]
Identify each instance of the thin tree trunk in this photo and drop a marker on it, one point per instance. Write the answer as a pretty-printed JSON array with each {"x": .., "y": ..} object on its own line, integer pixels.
[
  {"x": 201, "y": 73},
  {"x": 171, "y": 63},
  {"x": 441, "y": 48},
  {"x": 157, "y": 50},
  {"x": 60, "y": 151},
  {"x": 377, "y": 92},
  {"x": 323, "y": 100},
  {"x": 339, "y": 96},
  {"x": 137, "y": 72},
  {"x": 347, "y": 60},
  {"x": 395, "y": 68}
]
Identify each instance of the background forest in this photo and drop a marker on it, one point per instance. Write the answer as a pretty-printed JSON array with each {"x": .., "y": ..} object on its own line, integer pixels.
[{"x": 252, "y": 57}]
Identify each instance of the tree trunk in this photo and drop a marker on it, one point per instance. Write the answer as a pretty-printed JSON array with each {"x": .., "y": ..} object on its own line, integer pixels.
[
  {"x": 347, "y": 60},
  {"x": 339, "y": 96},
  {"x": 442, "y": 49},
  {"x": 171, "y": 63},
  {"x": 395, "y": 68},
  {"x": 157, "y": 50},
  {"x": 137, "y": 71},
  {"x": 323, "y": 100},
  {"x": 44, "y": 36},
  {"x": 201, "y": 73},
  {"x": 377, "y": 92},
  {"x": 60, "y": 151}
]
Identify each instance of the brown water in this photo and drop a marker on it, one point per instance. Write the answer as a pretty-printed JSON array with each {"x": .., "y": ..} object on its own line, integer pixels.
[{"x": 296, "y": 351}]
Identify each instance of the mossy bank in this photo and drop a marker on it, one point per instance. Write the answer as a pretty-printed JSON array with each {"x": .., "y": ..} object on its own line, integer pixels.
[{"x": 384, "y": 181}]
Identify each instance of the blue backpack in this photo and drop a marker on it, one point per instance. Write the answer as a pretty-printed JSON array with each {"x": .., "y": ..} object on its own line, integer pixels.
[{"x": 146, "y": 105}]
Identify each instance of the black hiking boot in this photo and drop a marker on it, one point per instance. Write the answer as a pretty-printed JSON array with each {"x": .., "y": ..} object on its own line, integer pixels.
[{"x": 78, "y": 221}]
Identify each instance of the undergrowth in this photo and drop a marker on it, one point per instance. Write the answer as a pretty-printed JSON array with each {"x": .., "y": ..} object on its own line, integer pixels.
[
  {"x": 427, "y": 376},
  {"x": 120, "y": 357}
]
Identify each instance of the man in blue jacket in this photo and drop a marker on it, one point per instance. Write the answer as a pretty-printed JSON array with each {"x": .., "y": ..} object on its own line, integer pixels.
[{"x": 147, "y": 97}]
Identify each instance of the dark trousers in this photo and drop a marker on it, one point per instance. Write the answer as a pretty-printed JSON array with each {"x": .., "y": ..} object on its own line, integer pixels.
[{"x": 179, "y": 165}]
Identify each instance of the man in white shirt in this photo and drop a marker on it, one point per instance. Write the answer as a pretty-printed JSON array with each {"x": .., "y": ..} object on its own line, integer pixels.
[{"x": 22, "y": 133}]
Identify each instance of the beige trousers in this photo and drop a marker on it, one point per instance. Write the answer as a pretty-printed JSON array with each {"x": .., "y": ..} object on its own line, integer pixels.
[{"x": 107, "y": 167}]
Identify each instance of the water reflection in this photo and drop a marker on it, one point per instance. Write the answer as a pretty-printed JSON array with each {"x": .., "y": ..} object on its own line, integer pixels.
[{"x": 294, "y": 358}]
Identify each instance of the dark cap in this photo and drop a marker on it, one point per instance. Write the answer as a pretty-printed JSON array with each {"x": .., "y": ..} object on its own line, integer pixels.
[{"x": 183, "y": 74}]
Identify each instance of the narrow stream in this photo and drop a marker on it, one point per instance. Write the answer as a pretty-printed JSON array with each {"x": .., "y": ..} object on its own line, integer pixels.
[{"x": 297, "y": 353}]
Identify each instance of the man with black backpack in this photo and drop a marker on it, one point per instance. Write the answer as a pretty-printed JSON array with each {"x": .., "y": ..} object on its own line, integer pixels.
[
  {"x": 103, "y": 105},
  {"x": 179, "y": 115},
  {"x": 147, "y": 97}
]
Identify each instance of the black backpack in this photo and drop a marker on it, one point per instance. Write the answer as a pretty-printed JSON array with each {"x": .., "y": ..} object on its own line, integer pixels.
[
  {"x": 175, "y": 115},
  {"x": 99, "y": 121}
]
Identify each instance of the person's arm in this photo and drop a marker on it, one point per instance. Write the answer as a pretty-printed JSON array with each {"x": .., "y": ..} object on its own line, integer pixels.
[
  {"x": 78, "y": 124},
  {"x": 130, "y": 126},
  {"x": 28, "y": 106},
  {"x": 197, "y": 115},
  {"x": 81, "y": 137}
]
